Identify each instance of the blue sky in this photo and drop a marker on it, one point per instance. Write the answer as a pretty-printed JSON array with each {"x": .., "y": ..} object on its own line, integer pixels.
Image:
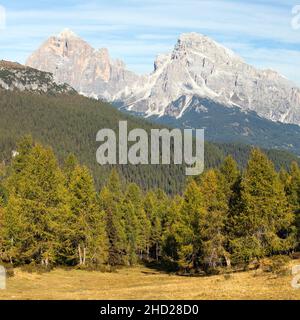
[{"x": 137, "y": 30}]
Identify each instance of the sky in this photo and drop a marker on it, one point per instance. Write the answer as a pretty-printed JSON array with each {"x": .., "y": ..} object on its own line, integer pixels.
[{"x": 265, "y": 33}]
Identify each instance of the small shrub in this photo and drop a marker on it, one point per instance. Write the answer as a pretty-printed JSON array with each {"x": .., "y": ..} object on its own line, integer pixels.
[
  {"x": 277, "y": 264},
  {"x": 36, "y": 268},
  {"x": 227, "y": 276}
]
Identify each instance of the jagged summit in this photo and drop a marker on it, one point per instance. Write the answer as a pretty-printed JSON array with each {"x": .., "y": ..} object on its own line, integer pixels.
[
  {"x": 197, "y": 68},
  {"x": 202, "y": 44},
  {"x": 90, "y": 71},
  {"x": 67, "y": 34}
]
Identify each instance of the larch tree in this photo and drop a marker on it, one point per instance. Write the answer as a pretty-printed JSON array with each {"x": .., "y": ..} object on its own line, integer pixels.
[
  {"x": 264, "y": 225},
  {"x": 189, "y": 229},
  {"x": 111, "y": 199},
  {"x": 87, "y": 234},
  {"x": 36, "y": 206},
  {"x": 137, "y": 224},
  {"x": 213, "y": 234}
]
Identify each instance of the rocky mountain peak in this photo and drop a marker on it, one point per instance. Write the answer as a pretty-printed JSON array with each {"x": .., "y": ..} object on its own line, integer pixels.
[
  {"x": 67, "y": 34},
  {"x": 90, "y": 71},
  {"x": 198, "y": 44},
  {"x": 199, "y": 67}
]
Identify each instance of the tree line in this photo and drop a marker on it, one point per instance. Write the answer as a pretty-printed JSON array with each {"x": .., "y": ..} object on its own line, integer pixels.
[{"x": 53, "y": 215}]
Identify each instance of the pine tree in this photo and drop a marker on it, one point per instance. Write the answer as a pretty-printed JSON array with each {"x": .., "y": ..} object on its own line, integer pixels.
[
  {"x": 230, "y": 179},
  {"x": 292, "y": 185},
  {"x": 189, "y": 229},
  {"x": 87, "y": 235},
  {"x": 111, "y": 200},
  {"x": 170, "y": 239},
  {"x": 69, "y": 166},
  {"x": 229, "y": 170},
  {"x": 36, "y": 207},
  {"x": 137, "y": 224},
  {"x": 263, "y": 226},
  {"x": 156, "y": 208},
  {"x": 213, "y": 235},
  {"x": 291, "y": 182}
]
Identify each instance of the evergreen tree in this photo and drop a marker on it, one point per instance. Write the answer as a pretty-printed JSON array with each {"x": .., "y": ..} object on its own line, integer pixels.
[
  {"x": 170, "y": 239},
  {"x": 189, "y": 229},
  {"x": 69, "y": 166},
  {"x": 263, "y": 226},
  {"x": 137, "y": 224},
  {"x": 230, "y": 179},
  {"x": 292, "y": 189},
  {"x": 87, "y": 235},
  {"x": 36, "y": 207},
  {"x": 156, "y": 208},
  {"x": 111, "y": 200},
  {"x": 229, "y": 170},
  {"x": 215, "y": 215}
]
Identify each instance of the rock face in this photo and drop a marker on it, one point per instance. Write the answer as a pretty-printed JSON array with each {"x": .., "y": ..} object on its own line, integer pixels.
[
  {"x": 72, "y": 60},
  {"x": 14, "y": 76},
  {"x": 200, "y": 67}
]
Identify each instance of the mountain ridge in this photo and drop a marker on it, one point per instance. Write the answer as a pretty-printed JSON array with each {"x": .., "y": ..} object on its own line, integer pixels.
[
  {"x": 90, "y": 71},
  {"x": 14, "y": 76},
  {"x": 197, "y": 66}
]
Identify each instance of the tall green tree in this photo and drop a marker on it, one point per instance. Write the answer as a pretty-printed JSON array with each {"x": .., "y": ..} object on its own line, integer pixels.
[
  {"x": 171, "y": 240},
  {"x": 36, "y": 206},
  {"x": 156, "y": 207},
  {"x": 189, "y": 229},
  {"x": 229, "y": 170},
  {"x": 87, "y": 234},
  {"x": 291, "y": 181},
  {"x": 111, "y": 199},
  {"x": 214, "y": 218},
  {"x": 137, "y": 225},
  {"x": 264, "y": 224}
]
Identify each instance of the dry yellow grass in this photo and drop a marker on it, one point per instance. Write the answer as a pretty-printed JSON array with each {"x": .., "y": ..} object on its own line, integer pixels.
[{"x": 143, "y": 283}]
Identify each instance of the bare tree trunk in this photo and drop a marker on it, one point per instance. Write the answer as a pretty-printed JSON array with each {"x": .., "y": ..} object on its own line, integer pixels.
[
  {"x": 228, "y": 261},
  {"x": 80, "y": 255},
  {"x": 84, "y": 256}
]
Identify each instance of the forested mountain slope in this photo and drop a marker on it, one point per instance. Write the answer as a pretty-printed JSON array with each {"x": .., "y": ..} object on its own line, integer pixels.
[{"x": 69, "y": 123}]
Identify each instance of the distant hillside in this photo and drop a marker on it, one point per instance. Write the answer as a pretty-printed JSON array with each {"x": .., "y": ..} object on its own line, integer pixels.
[
  {"x": 69, "y": 124},
  {"x": 14, "y": 76}
]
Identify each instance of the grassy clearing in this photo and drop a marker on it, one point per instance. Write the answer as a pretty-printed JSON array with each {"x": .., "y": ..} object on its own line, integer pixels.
[{"x": 145, "y": 283}]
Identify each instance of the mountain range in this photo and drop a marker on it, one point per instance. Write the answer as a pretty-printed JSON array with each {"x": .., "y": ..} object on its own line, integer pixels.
[
  {"x": 198, "y": 67},
  {"x": 31, "y": 102},
  {"x": 200, "y": 84}
]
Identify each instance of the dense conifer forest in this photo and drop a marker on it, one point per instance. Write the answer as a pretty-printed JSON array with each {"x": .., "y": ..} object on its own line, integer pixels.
[
  {"x": 52, "y": 214},
  {"x": 69, "y": 124}
]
